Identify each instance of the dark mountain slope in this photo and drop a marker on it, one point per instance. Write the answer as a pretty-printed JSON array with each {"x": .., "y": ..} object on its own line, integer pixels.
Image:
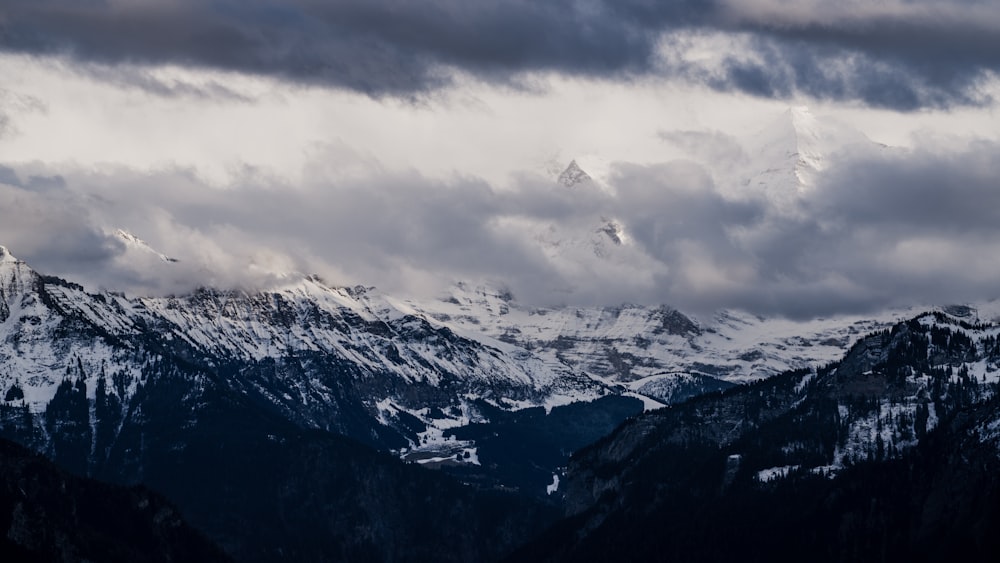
[
  {"x": 267, "y": 489},
  {"x": 889, "y": 455},
  {"x": 47, "y": 514}
]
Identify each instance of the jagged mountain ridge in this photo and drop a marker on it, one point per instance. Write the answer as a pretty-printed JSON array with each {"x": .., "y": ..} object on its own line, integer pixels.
[
  {"x": 137, "y": 399},
  {"x": 933, "y": 363},
  {"x": 645, "y": 346},
  {"x": 648, "y": 348},
  {"x": 74, "y": 367},
  {"x": 398, "y": 375},
  {"x": 118, "y": 386},
  {"x": 422, "y": 379},
  {"x": 135, "y": 403},
  {"x": 544, "y": 355},
  {"x": 894, "y": 448},
  {"x": 50, "y": 325},
  {"x": 395, "y": 358},
  {"x": 261, "y": 486}
]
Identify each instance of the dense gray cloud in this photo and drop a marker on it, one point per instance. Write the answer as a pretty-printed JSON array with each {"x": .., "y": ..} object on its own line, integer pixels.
[
  {"x": 889, "y": 228},
  {"x": 38, "y": 222},
  {"x": 898, "y": 54},
  {"x": 880, "y": 228}
]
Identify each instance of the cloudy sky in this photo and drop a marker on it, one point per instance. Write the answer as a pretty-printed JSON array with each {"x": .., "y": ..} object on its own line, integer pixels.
[{"x": 409, "y": 145}]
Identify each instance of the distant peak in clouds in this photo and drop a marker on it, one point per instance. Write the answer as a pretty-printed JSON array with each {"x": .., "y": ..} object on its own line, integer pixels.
[
  {"x": 133, "y": 242},
  {"x": 573, "y": 175},
  {"x": 787, "y": 156},
  {"x": 6, "y": 257}
]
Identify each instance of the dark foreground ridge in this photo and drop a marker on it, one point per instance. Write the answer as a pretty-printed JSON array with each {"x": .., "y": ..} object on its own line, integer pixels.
[
  {"x": 47, "y": 514},
  {"x": 893, "y": 454}
]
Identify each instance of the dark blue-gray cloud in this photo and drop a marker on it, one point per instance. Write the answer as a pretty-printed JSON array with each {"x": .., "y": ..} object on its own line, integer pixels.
[{"x": 924, "y": 53}]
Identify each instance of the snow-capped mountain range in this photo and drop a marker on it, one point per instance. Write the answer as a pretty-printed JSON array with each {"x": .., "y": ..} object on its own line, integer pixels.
[
  {"x": 432, "y": 359},
  {"x": 395, "y": 358},
  {"x": 403, "y": 373},
  {"x": 242, "y": 397}
]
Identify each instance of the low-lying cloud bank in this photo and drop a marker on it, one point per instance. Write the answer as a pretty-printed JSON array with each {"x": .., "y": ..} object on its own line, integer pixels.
[{"x": 877, "y": 229}]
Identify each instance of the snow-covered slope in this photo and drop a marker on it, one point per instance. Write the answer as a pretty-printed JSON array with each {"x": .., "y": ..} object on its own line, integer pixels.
[
  {"x": 634, "y": 345},
  {"x": 135, "y": 244},
  {"x": 786, "y": 157},
  {"x": 476, "y": 336},
  {"x": 15, "y": 280},
  {"x": 901, "y": 434},
  {"x": 887, "y": 394},
  {"x": 399, "y": 374},
  {"x": 310, "y": 350},
  {"x": 321, "y": 355},
  {"x": 645, "y": 347},
  {"x": 48, "y": 326}
]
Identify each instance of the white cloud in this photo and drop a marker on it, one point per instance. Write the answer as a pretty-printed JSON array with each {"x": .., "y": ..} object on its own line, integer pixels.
[{"x": 267, "y": 177}]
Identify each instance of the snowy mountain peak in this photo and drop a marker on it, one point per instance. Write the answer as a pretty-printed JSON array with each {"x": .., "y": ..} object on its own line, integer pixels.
[
  {"x": 808, "y": 134},
  {"x": 787, "y": 157},
  {"x": 16, "y": 281},
  {"x": 794, "y": 137},
  {"x": 800, "y": 138},
  {"x": 573, "y": 175},
  {"x": 613, "y": 230},
  {"x": 133, "y": 242},
  {"x": 789, "y": 153},
  {"x": 801, "y": 117},
  {"x": 6, "y": 256}
]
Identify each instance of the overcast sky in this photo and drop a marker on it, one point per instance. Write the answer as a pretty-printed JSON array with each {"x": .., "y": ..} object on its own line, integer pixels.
[{"x": 409, "y": 145}]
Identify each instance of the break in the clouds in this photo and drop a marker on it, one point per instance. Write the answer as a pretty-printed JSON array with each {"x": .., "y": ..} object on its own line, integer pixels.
[{"x": 896, "y": 54}]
